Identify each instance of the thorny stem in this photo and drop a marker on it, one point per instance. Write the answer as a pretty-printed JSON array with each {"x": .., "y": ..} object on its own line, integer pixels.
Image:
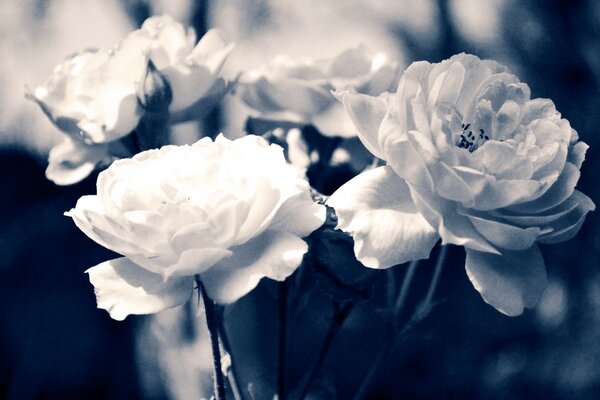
[
  {"x": 281, "y": 376},
  {"x": 341, "y": 312},
  {"x": 213, "y": 328}
]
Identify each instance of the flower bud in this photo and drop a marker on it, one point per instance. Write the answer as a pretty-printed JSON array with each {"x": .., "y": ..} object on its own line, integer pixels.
[{"x": 154, "y": 92}]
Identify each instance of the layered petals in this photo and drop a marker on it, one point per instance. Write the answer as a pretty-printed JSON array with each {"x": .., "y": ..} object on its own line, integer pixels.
[
  {"x": 300, "y": 90},
  {"x": 99, "y": 97},
  {"x": 376, "y": 208},
  {"x": 123, "y": 288},
  {"x": 486, "y": 166},
  {"x": 508, "y": 282},
  {"x": 273, "y": 254},
  {"x": 233, "y": 211}
]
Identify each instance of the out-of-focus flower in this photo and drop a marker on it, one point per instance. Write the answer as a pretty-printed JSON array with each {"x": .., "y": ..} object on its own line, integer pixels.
[
  {"x": 99, "y": 96},
  {"x": 300, "y": 90},
  {"x": 72, "y": 160},
  {"x": 473, "y": 160},
  {"x": 228, "y": 212}
]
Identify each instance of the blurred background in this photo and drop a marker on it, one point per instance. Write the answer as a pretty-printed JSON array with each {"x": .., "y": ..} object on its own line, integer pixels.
[{"x": 54, "y": 344}]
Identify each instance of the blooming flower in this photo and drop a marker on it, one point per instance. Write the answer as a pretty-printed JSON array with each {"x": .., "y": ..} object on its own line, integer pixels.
[
  {"x": 93, "y": 95},
  {"x": 228, "y": 212},
  {"x": 471, "y": 158},
  {"x": 300, "y": 90}
]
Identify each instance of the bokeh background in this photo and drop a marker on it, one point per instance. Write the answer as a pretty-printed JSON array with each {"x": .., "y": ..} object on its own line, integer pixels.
[{"x": 54, "y": 344}]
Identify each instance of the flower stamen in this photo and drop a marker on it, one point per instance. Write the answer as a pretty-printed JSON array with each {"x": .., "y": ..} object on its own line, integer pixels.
[{"x": 468, "y": 140}]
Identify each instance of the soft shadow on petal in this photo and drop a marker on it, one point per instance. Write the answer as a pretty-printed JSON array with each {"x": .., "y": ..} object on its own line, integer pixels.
[
  {"x": 190, "y": 262},
  {"x": 508, "y": 282},
  {"x": 452, "y": 227},
  {"x": 568, "y": 225},
  {"x": 273, "y": 254},
  {"x": 299, "y": 215},
  {"x": 71, "y": 161},
  {"x": 123, "y": 288},
  {"x": 560, "y": 190},
  {"x": 90, "y": 218},
  {"x": 504, "y": 235},
  {"x": 402, "y": 155},
  {"x": 367, "y": 113},
  {"x": 376, "y": 208}
]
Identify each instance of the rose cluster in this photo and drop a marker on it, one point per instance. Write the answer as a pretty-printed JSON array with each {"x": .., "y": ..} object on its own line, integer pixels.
[
  {"x": 460, "y": 152},
  {"x": 97, "y": 97}
]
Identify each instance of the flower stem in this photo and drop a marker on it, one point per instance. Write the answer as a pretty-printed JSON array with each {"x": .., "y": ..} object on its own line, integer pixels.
[
  {"x": 213, "y": 328},
  {"x": 341, "y": 312},
  {"x": 439, "y": 265},
  {"x": 389, "y": 339},
  {"x": 410, "y": 273},
  {"x": 281, "y": 376},
  {"x": 231, "y": 375},
  {"x": 420, "y": 313}
]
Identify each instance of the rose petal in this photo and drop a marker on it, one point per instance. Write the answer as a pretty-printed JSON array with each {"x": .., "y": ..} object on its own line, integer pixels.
[
  {"x": 560, "y": 190},
  {"x": 367, "y": 113},
  {"x": 452, "y": 227},
  {"x": 503, "y": 235},
  {"x": 89, "y": 217},
  {"x": 491, "y": 193},
  {"x": 447, "y": 86},
  {"x": 273, "y": 254},
  {"x": 303, "y": 98},
  {"x": 577, "y": 154},
  {"x": 402, "y": 155},
  {"x": 299, "y": 215},
  {"x": 187, "y": 263},
  {"x": 376, "y": 208},
  {"x": 568, "y": 225},
  {"x": 71, "y": 161},
  {"x": 123, "y": 288},
  {"x": 508, "y": 282}
]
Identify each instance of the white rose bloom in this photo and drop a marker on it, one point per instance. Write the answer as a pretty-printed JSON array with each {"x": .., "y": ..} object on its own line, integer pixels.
[
  {"x": 471, "y": 158},
  {"x": 228, "y": 212},
  {"x": 299, "y": 90},
  {"x": 93, "y": 95}
]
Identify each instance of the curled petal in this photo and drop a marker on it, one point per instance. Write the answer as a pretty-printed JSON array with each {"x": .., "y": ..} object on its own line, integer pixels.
[
  {"x": 376, "y": 208},
  {"x": 367, "y": 113},
  {"x": 123, "y": 288},
  {"x": 402, "y": 155},
  {"x": 299, "y": 215},
  {"x": 452, "y": 227},
  {"x": 273, "y": 254},
  {"x": 568, "y": 225},
  {"x": 491, "y": 193},
  {"x": 560, "y": 190},
  {"x": 508, "y": 282},
  {"x": 212, "y": 50},
  {"x": 504, "y": 235},
  {"x": 294, "y": 95},
  {"x": 89, "y": 216},
  {"x": 72, "y": 161}
]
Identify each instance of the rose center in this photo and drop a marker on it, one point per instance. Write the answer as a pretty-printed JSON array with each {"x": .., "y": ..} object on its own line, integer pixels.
[{"x": 470, "y": 138}]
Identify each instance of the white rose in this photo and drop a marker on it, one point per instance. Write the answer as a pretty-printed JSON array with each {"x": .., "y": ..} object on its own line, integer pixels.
[
  {"x": 228, "y": 212},
  {"x": 471, "y": 158},
  {"x": 93, "y": 95},
  {"x": 299, "y": 90}
]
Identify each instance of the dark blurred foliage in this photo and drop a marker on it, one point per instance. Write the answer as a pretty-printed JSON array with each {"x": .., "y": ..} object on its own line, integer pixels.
[{"x": 56, "y": 345}]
